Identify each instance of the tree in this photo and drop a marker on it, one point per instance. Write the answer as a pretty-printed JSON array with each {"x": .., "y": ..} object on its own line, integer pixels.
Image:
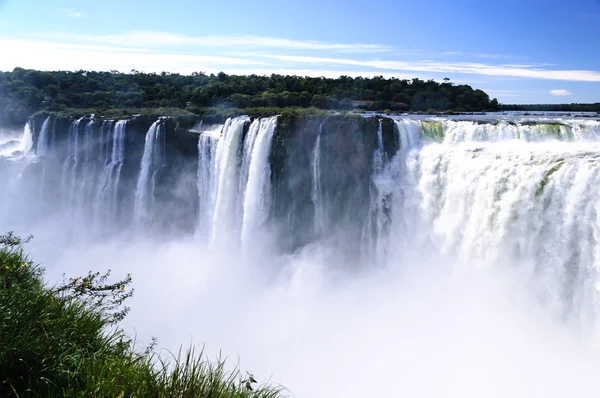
[
  {"x": 52, "y": 90},
  {"x": 22, "y": 92},
  {"x": 346, "y": 103}
]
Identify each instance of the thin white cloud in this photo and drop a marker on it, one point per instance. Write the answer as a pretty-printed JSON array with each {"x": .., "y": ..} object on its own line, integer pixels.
[
  {"x": 453, "y": 67},
  {"x": 560, "y": 93},
  {"x": 157, "y": 39},
  {"x": 16, "y": 44},
  {"x": 72, "y": 13},
  {"x": 499, "y": 56},
  {"x": 60, "y": 56},
  {"x": 504, "y": 93},
  {"x": 483, "y": 55},
  {"x": 52, "y": 56},
  {"x": 519, "y": 65},
  {"x": 98, "y": 55}
]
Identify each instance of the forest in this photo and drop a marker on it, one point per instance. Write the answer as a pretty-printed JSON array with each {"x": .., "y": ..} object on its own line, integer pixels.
[{"x": 24, "y": 92}]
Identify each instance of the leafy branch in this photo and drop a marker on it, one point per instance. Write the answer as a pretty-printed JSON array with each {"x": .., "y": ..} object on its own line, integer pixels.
[{"x": 96, "y": 291}]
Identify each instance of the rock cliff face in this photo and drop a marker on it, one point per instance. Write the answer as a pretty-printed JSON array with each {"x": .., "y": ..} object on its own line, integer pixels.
[
  {"x": 346, "y": 190},
  {"x": 320, "y": 170},
  {"x": 304, "y": 178}
]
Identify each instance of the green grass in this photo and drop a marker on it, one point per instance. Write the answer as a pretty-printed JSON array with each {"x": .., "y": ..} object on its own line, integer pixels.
[{"x": 62, "y": 341}]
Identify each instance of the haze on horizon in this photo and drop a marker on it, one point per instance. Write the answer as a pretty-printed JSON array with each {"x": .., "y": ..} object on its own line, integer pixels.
[{"x": 519, "y": 52}]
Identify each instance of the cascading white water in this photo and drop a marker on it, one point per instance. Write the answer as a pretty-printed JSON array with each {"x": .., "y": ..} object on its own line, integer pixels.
[
  {"x": 584, "y": 130},
  {"x": 483, "y": 197},
  {"x": 207, "y": 178},
  {"x": 70, "y": 166},
  {"x": 233, "y": 179},
  {"x": 316, "y": 192},
  {"x": 246, "y": 159},
  {"x": 389, "y": 185},
  {"x": 105, "y": 142},
  {"x": 86, "y": 177},
  {"x": 152, "y": 159},
  {"x": 27, "y": 140},
  {"x": 538, "y": 130},
  {"x": 457, "y": 204},
  {"x": 257, "y": 193},
  {"x": 44, "y": 139},
  {"x": 528, "y": 205},
  {"x": 224, "y": 223},
  {"x": 373, "y": 233},
  {"x": 409, "y": 133},
  {"x": 107, "y": 203},
  {"x": 379, "y": 154}
]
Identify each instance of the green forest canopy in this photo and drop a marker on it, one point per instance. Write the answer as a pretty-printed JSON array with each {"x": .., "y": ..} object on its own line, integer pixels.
[{"x": 24, "y": 91}]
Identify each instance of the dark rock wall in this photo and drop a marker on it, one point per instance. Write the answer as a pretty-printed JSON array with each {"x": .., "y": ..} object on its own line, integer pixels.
[{"x": 346, "y": 160}]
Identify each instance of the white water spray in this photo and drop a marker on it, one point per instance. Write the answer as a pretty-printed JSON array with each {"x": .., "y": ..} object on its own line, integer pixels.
[
  {"x": 247, "y": 150},
  {"x": 207, "y": 179},
  {"x": 70, "y": 166},
  {"x": 316, "y": 192},
  {"x": 44, "y": 139},
  {"x": 489, "y": 254},
  {"x": 224, "y": 223},
  {"x": 27, "y": 140},
  {"x": 152, "y": 159},
  {"x": 107, "y": 200},
  {"x": 257, "y": 193},
  {"x": 373, "y": 234}
]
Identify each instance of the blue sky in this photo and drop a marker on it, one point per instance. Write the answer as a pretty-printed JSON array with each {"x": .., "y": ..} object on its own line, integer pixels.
[{"x": 525, "y": 51}]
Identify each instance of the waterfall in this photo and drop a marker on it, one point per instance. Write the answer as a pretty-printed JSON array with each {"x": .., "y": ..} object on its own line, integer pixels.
[
  {"x": 152, "y": 160},
  {"x": 379, "y": 153},
  {"x": 257, "y": 193},
  {"x": 472, "y": 242},
  {"x": 584, "y": 130},
  {"x": 516, "y": 193},
  {"x": 534, "y": 205},
  {"x": 540, "y": 130},
  {"x": 224, "y": 223},
  {"x": 373, "y": 233},
  {"x": 206, "y": 179},
  {"x": 27, "y": 140},
  {"x": 504, "y": 191},
  {"x": 106, "y": 142},
  {"x": 389, "y": 184},
  {"x": 85, "y": 183},
  {"x": 409, "y": 133},
  {"x": 44, "y": 139},
  {"x": 233, "y": 178},
  {"x": 70, "y": 166},
  {"x": 316, "y": 191},
  {"x": 107, "y": 196},
  {"x": 247, "y": 151}
]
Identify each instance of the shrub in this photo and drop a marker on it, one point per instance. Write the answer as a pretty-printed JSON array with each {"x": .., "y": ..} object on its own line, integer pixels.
[{"x": 62, "y": 341}]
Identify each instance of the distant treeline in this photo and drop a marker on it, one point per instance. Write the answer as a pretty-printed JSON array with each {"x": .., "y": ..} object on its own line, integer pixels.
[
  {"x": 23, "y": 92},
  {"x": 552, "y": 107}
]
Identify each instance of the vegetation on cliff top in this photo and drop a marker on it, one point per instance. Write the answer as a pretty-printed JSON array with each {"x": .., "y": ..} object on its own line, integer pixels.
[
  {"x": 24, "y": 92},
  {"x": 61, "y": 342}
]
